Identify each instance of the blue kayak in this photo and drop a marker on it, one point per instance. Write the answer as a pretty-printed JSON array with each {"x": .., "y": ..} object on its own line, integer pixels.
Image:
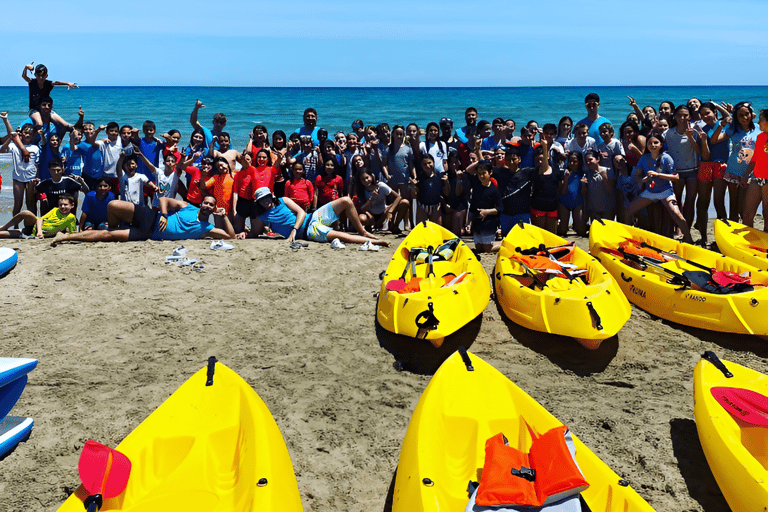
[
  {"x": 8, "y": 259},
  {"x": 14, "y": 430},
  {"x": 13, "y": 380}
]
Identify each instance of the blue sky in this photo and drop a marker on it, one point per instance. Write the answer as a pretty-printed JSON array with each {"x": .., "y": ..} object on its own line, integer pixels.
[{"x": 392, "y": 43}]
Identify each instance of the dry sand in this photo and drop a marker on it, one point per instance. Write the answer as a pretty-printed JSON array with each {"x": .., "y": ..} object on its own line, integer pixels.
[{"x": 117, "y": 330}]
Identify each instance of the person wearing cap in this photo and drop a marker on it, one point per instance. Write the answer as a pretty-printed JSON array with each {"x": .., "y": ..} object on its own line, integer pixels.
[
  {"x": 176, "y": 220},
  {"x": 310, "y": 126},
  {"x": 593, "y": 119},
  {"x": 288, "y": 219}
]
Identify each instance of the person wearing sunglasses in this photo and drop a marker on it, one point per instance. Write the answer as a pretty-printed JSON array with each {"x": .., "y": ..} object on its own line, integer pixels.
[{"x": 593, "y": 120}]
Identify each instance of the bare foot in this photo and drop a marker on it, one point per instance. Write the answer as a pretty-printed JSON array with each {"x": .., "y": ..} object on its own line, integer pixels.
[
  {"x": 380, "y": 242},
  {"x": 60, "y": 237}
]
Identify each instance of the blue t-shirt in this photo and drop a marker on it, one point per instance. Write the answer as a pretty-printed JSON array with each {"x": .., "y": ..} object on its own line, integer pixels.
[
  {"x": 95, "y": 208},
  {"x": 282, "y": 220},
  {"x": 572, "y": 199},
  {"x": 46, "y": 154},
  {"x": 208, "y": 134},
  {"x": 183, "y": 225},
  {"x": 461, "y": 134},
  {"x": 717, "y": 152},
  {"x": 93, "y": 160},
  {"x": 74, "y": 160},
  {"x": 742, "y": 147},
  {"x": 664, "y": 165},
  {"x": 594, "y": 126},
  {"x": 152, "y": 151},
  {"x": 48, "y": 128},
  {"x": 306, "y": 131}
]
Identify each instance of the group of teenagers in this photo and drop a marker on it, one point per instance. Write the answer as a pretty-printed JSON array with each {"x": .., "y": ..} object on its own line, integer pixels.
[{"x": 480, "y": 179}]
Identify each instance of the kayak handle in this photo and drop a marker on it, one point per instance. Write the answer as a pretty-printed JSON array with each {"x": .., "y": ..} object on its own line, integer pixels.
[
  {"x": 595, "y": 316},
  {"x": 93, "y": 503},
  {"x": 211, "y": 369},
  {"x": 466, "y": 359},
  {"x": 712, "y": 358},
  {"x": 625, "y": 278}
]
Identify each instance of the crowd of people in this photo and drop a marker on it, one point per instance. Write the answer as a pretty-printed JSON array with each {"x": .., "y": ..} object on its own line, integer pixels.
[{"x": 659, "y": 170}]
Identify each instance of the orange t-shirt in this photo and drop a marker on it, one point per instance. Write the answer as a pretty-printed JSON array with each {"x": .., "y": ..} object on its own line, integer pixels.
[{"x": 222, "y": 185}]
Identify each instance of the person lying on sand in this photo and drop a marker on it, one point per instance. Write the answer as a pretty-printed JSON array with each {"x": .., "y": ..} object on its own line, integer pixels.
[{"x": 176, "y": 220}]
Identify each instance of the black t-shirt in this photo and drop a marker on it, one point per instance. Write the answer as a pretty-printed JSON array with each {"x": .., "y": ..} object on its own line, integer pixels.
[
  {"x": 430, "y": 189},
  {"x": 545, "y": 191},
  {"x": 485, "y": 198},
  {"x": 515, "y": 189},
  {"x": 53, "y": 191},
  {"x": 36, "y": 93}
]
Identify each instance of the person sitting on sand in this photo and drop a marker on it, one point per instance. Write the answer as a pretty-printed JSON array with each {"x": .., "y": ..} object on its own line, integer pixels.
[
  {"x": 54, "y": 222},
  {"x": 288, "y": 219},
  {"x": 177, "y": 220}
]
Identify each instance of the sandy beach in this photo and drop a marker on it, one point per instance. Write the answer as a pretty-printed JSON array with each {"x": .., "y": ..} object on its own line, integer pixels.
[{"x": 117, "y": 330}]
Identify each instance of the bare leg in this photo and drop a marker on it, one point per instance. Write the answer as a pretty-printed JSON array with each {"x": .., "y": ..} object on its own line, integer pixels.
[
  {"x": 580, "y": 221},
  {"x": 56, "y": 118},
  {"x": 437, "y": 217},
  {"x": 690, "y": 200},
  {"x": 345, "y": 205},
  {"x": 538, "y": 221},
  {"x": 421, "y": 214},
  {"x": 117, "y": 235},
  {"x": 119, "y": 211},
  {"x": 564, "y": 215},
  {"x": 719, "y": 187},
  {"x": 19, "y": 188},
  {"x": 36, "y": 118},
  {"x": 550, "y": 224},
  {"x": 702, "y": 209},
  {"x": 400, "y": 213},
  {"x": 351, "y": 238},
  {"x": 638, "y": 204},
  {"x": 28, "y": 217},
  {"x": 754, "y": 196},
  {"x": 671, "y": 205},
  {"x": 31, "y": 199}
]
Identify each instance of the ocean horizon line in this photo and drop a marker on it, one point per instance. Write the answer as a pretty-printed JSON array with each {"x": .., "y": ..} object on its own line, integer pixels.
[{"x": 403, "y": 88}]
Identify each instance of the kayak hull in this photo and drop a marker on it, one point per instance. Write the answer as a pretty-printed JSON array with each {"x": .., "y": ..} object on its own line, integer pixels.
[
  {"x": 444, "y": 446},
  {"x": 737, "y": 452},
  {"x": 206, "y": 448},
  {"x": 453, "y": 306},
  {"x": 734, "y": 240},
  {"x": 649, "y": 289},
  {"x": 563, "y": 306}
]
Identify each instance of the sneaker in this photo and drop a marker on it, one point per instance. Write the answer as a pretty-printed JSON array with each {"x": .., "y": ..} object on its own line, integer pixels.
[
  {"x": 180, "y": 251},
  {"x": 221, "y": 245},
  {"x": 336, "y": 244},
  {"x": 368, "y": 246}
]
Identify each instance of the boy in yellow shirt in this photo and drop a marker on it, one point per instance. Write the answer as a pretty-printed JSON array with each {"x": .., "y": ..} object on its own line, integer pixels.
[{"x": 56, "y": 220}]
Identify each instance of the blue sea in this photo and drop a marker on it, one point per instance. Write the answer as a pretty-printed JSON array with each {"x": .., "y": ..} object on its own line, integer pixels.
[{"x": 282, "y": 108}]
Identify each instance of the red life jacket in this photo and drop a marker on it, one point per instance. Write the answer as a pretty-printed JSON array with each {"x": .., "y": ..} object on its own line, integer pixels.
[{"x": 546, "y": 474}]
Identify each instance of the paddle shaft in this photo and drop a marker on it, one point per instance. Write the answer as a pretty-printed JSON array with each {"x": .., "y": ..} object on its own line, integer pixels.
[
  {"x": 544, "y": 249},
  {"x": 676, "y": 256}
]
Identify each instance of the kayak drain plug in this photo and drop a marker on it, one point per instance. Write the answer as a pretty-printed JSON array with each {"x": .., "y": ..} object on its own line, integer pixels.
[
  {"x": 428, "y": 482},
  {"x": 262, "y": 482},
  {"x": 624, "y": 482}
]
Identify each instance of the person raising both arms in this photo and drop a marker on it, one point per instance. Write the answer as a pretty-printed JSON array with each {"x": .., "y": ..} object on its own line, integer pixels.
[{"x": 40, "y": 87}]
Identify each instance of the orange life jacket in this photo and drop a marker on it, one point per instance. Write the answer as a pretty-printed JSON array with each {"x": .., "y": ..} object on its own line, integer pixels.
[
  {"x": 546, "y": 474},
  {"x": 634, "y": 247}
]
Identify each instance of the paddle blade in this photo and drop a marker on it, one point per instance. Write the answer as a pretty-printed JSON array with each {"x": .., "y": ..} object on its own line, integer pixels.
[
  {"x": 395, "y": 285},
  {"x": 743, "y": 404},
  {"x": 103, "y": 470}
]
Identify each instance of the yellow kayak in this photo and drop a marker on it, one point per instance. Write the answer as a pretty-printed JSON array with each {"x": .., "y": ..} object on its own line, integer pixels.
[
  {"x": 736, "y": 450},
  {"x": 433, "y": 285},
  {"x": 589, "y": 311},
  {"x": 206, "y": 448},
  {"x": 666, "y": 289},
  {"x": 742, "y": 243},
  {"x": 444, "y": 446}
]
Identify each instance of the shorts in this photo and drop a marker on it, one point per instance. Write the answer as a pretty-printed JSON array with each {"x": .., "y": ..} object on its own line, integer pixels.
[
  {"x": 246, "y": 208},
  {"x": 734, "y": 178},
  {"x": 509, "y": 221},
  {"x": 430, "y": 208},
  {"x": 484, "y": 238},
  {"x": 657, "y": 196},
  {"x": 539, "y": 213},
  {"x": 319, "y": 224},
  {"x": 143, "y": 223},
  {"x": 685, "y": 174},
  {"x": 377, "y": 217},
  {"x": 711, "y": 171},
  {"x": 101, "y": 226}
]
